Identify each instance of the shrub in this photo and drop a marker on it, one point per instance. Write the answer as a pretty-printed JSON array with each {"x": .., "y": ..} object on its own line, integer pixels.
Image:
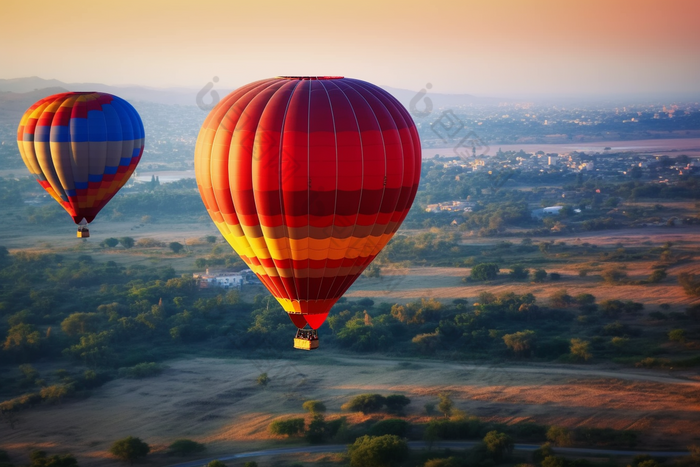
[
  {"x": 289, "y": 427},
  {"x": 148, "y": 243},
  {"x": 484, "y": 272},
  {"x": 391, "y": 426},
  {"x": 263, "y": 380},
  {"x": 657, "y": 276},
  {"x": 314, "y": 407},
  {"x": 109, "y": 242},
  {"x": 395, "y": 403},
  {"x": 519, "y": 273},
  {"x": 677, "y": 335},
  {"x": 185, "y": 447},
  {"x": 554, "y": 276},
  {"x": 691, "y": 285},
  {"x": 580, "y": 349},
  {"x": 462, "y": 428},
  {"x": 614, "y": 276},
  {"x": 142, "y": 370}
]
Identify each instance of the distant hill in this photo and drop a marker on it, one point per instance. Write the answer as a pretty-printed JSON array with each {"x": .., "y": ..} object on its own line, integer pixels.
[
  {"x": 187, "y": 96},
  {"x": 181, "y": 96},
  {"x": 13, "y": 104}
]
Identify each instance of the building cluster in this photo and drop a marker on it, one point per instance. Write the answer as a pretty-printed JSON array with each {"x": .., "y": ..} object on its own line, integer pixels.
[
  {"x": 451, "y": 206},
  {"x": 224, "y": 279}
]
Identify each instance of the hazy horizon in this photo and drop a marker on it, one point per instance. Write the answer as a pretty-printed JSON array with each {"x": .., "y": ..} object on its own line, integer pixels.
[{"x": 503, "y": 48}]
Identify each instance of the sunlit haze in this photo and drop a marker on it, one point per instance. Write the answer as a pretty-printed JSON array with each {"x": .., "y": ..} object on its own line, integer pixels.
[{"x": 501, "y": 48}]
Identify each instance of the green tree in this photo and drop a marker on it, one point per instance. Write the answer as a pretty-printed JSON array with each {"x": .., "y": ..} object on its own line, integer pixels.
[
  {"x": 218, "y": 463},
  {"x": 500, "y": 445},
  {"x": 657, "y": 276},
  {"x": 677, "y": 335},
  {"x": 539, "y": 275},
  {"x": 519, "y": 273},
  {"x": 580, "y": 349},
  {"x": 127, "y": 242},
  {"x": 543, "y": 452},
  {"x": 378, "y": 451},
  {"x": 185, "y": 447},
  {"x": 614, "y": 276},
  {"x": 40, "y": 459},
  {"x": 317, "y": 430},
  {"x": 129, "y": 449},
  {"x": 485, "y": 272},
  {"x": 81, "y": 323},
  {"x": 22, "y": 339},
  {"x": 110, "y": 242},
  {"x": 314, "y": 407},
  {"x": 559, "y": 436},
  {"x": 365, "y": 403},
  {"x": 395, "y": 403},
  {"x": 176, "y": 247},
  {"x": 288, "y": 427},
  {"x": 560, "y": 299},
  {"x": 520, "y": 342},
  {"x": 445, "y": 404}
]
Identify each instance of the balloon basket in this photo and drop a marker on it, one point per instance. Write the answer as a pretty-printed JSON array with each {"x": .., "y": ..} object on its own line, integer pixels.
[
  {"x": 83, "y": 232},
  {"x": 306, "y": 339}
]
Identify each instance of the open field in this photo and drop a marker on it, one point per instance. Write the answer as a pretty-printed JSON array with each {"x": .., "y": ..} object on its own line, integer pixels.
[{"x": 216, "y": 401}]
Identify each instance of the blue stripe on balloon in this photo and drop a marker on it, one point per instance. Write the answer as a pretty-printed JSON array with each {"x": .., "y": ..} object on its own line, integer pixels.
[
  {"x": 70, "y": 192},
  {"x": 94, "y": 178},
  {"x": 79, "y": 130},
  {"x": 110, "y": 170},
  {"x": 136, "y": 152},
  {"x": 113, "y": 122},
  {"x": 125, "y": 161},
  {"x": 60, "y": 134},
  {"x": 28, "y": 137},
  {"x": 124, "y": 117},
  {"x": 97, "y": 126},
  {"x": 81, "y": 185}
]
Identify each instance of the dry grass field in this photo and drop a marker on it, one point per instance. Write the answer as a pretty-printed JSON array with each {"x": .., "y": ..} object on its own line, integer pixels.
[{"x": 217, "y": 402}]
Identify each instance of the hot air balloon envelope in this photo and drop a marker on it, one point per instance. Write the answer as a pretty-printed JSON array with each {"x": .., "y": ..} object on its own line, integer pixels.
[
  {"x": 308, "y": 178},
  {"x": 81, "y": 147}
]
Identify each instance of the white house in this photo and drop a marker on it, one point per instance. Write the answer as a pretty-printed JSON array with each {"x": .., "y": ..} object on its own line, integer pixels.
[{"x": 227, "y": 280}]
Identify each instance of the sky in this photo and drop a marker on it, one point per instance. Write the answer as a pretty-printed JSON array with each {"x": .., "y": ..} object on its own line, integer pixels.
[{"x": 502, "y": 48}]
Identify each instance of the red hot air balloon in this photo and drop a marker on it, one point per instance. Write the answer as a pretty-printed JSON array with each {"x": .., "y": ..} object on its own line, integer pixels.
[
  {"x": 308, "y": 178},
  {"x": 81, "y": 147}
]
